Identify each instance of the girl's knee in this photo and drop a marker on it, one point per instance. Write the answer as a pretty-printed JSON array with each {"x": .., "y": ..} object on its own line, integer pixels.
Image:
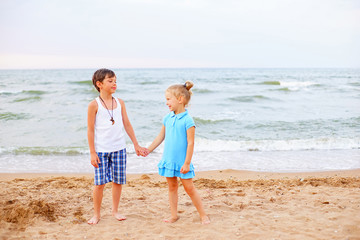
[
  {"x": 172, "y": 184},
  {"x": 190, "y": 189},
  {"x": 173, "y": 187}
]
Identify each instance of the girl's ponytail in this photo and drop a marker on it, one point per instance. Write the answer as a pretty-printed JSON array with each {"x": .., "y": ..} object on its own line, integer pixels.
[{"x": 188, "y": 85}]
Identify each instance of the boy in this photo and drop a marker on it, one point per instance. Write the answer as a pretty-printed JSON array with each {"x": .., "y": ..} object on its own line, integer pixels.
[{"x": 107, "y": 120}]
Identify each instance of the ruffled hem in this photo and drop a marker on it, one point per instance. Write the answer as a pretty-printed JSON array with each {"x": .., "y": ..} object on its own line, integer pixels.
[
  {"x": 165, "y": 172},
  {"x": 172, "y": 166}
]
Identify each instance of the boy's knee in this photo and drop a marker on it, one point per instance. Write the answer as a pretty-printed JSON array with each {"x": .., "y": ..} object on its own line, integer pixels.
[{"x": 99, "y": 187}]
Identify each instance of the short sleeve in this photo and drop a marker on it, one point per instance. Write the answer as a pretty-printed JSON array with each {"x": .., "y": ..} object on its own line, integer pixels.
[{"x": 189, "y": 122}]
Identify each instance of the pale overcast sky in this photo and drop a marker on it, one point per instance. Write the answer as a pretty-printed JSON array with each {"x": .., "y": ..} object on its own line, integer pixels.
[{"x": 175, "y": 33}]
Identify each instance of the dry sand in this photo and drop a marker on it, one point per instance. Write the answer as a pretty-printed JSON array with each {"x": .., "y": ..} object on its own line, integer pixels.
[{"x": 241, "y": 205}]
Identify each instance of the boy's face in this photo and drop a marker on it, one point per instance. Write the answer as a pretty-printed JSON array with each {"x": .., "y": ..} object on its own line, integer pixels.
[{"x": 108, "y": 84}]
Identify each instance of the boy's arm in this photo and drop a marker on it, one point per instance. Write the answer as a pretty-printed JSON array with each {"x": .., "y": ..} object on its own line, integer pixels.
[
  {"x": 158, "y": 140},
  {"x": 92, "y": 109},
  {"x": 189, "y": 151},
  {"x": 129, "y": 129}
]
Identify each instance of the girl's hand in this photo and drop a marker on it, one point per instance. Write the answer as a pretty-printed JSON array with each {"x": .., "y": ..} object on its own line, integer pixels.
[
  {"x": 141, "y": 151},
  {"x": 145, "y": 152},
  {"x": 185, "y": 168},
  {"x": 94, "y": 160}
]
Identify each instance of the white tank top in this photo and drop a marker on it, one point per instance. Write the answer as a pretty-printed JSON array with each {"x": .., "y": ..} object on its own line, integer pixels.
[{"x": 108, "y": 137}]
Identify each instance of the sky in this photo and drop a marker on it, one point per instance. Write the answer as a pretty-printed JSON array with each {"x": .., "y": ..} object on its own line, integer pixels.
[{"x": 179, "y": 34}]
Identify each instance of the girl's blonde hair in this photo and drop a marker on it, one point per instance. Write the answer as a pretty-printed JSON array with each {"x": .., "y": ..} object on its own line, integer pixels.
[{"x": 182, "y": 90}]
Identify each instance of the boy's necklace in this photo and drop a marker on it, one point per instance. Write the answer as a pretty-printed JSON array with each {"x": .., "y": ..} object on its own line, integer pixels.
[{"x": 112, "y": 109}]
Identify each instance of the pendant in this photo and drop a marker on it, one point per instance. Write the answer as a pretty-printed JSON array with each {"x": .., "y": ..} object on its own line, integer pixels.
[{"x": 113, "y": 121}]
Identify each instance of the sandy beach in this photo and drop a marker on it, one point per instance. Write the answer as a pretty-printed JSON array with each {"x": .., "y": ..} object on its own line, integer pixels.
[{"x": 241, "y": 205}]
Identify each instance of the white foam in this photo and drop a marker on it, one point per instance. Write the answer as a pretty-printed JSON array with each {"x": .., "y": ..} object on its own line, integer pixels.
[
  {"x": 206, "y": 145},
  {"x": 296, "y": 84}
]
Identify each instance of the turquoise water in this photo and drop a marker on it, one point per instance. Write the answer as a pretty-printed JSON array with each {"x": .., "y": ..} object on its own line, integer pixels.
[{"x": 250, "y": 119}]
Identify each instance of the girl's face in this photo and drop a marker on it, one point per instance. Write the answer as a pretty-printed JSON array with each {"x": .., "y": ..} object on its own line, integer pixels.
[
  {"x": 108, "y": 84},
  {"x": 172, "y": 102}
]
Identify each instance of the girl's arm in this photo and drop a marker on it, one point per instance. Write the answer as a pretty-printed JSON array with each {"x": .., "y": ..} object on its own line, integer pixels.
[
  {"x": 129, "y": 129},
  {"x": 158, "y": 140},
  {"x": 92, "y": 109},
  {"x": 189, "y": 151}
]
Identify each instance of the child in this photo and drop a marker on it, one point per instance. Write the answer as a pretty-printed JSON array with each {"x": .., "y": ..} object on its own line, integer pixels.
[
  {"x": 107, "y": 119},
  {"x": 178, "y": 130}
]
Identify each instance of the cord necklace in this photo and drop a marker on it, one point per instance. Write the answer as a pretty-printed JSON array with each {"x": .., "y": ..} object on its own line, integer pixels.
[{"x": 112, "y": 109}]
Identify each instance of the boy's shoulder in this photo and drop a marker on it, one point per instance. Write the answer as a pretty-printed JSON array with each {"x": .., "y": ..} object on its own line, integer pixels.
[{"x": 93, "y": 103}]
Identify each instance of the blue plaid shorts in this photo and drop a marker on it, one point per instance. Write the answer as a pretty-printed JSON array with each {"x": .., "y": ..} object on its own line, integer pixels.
[{"x": 112, "y": 168}]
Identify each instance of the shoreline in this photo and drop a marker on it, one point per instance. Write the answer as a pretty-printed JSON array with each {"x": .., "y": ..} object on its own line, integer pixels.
[{"x": 214, "y": 174}]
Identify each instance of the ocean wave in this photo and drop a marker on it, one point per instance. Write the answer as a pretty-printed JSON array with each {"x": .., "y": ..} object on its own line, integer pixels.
[
  {"x": 34, "y": 92},
  {"x": 201, "y": 121},
  {"x": 44, "y": 150},
  {"x": 201, "y": 90},
  {"x": 206, "y": 145},
  {"x": 271, "y": 83},
  {"x": 28, "y": 92},
  {"x": 291, "y": 85},
  {"x": 83, "y": 82},
  {"x": 297, "y": 84},
  {"x": 149, "y": 82},
  {"x": 13, "y": 116},
  {"x": 356, "y": 84},
  {"x": 28, "y": 99},
  {"x": 249, "y": 98}
]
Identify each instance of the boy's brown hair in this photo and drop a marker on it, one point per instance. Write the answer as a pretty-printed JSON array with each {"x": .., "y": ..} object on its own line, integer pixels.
[{"x": 100, "y": 75}]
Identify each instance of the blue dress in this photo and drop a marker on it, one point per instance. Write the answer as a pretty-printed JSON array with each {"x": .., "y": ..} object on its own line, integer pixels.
[{"x": 175, "y": 147}]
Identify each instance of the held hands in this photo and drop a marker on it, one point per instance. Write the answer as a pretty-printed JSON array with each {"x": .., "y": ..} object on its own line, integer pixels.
[{"x": 141, "y": 151}]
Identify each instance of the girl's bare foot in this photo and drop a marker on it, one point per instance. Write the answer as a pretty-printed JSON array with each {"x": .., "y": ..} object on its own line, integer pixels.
[
  {"x": 94, "y": 220},
  {"x": 205, "y": 220},
  {"x": 171, "y": 220},
  {"x": 119, "y": 217}
]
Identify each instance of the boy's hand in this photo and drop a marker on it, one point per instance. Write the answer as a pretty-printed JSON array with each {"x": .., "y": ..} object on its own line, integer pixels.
[
  {"x": 140, "y": 151},
  {"x": 145, "y": 152},
  {"x": 185, "y": 169},
  {"x": 94, "y": 160}
]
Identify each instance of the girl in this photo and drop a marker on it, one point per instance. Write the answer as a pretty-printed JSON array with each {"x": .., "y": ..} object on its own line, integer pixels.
[{"x": 178, "y": 130}]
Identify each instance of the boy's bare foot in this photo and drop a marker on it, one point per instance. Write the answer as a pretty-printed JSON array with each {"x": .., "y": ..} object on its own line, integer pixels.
[
  {"x": 94, "y": 220},
  {"x": 171, "y": 220},
  {"x": 119, "y": 217},
  {"x": 205, "y": 220}
]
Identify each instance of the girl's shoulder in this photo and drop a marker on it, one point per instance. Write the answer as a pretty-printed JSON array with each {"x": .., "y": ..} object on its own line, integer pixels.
[{"x": 166, "y": 117}]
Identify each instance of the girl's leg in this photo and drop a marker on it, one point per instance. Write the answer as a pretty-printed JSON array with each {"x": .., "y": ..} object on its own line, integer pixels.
[
  {"x": 97, "y": 198},
  {"x": 173, "y": 198},
  {"x": 116, "y": 194},
  {"x": 196, "y": 199}
]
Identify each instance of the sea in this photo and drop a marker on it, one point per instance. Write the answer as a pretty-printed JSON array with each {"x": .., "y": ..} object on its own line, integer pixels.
[{"x": 273, "y": 120}]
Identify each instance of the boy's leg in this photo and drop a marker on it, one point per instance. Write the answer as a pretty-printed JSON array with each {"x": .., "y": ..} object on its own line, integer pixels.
[
  {"x": 99, "y": 181},
  {"x": 173, "y": 198},
  {"x": 97, "y": 198},
  {"x": 118, "y": 175},
  {"x": 196, "y": 199},
  {"x": 116, "y": 194}
]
